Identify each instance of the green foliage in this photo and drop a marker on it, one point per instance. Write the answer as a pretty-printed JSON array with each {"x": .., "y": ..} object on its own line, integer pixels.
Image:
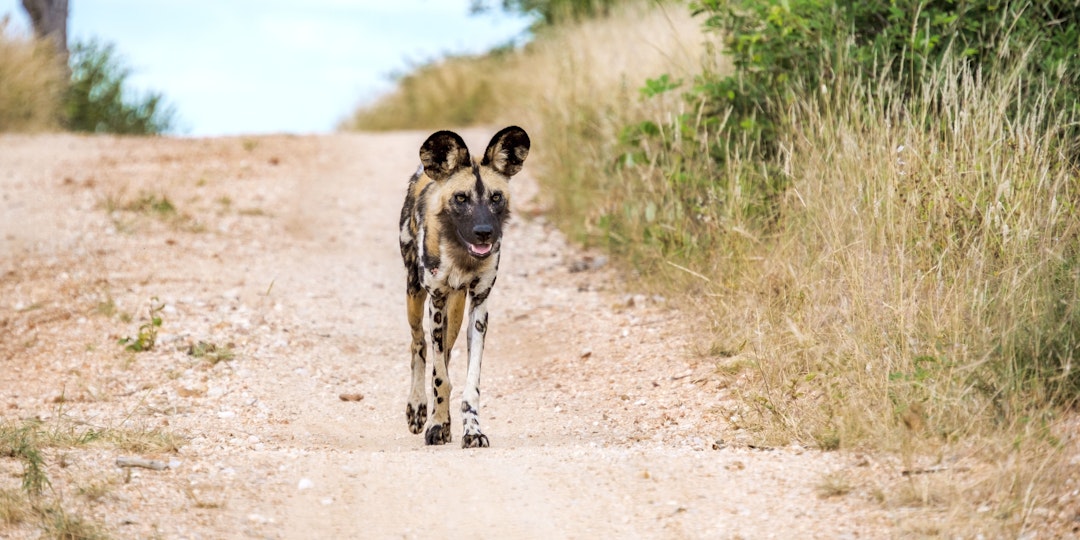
[
  {"x": 918, "y": 35},
  {"x": 660, "y": 85},
  {"x": 784, "y": 48},
  {"x": 98, "y": 101},
  {"x": 147, "y": 336},
  {"x": 776, "y": 48}
]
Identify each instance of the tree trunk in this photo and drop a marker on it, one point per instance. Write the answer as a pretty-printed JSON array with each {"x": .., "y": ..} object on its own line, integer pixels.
[{"x": 49, "y": 18}]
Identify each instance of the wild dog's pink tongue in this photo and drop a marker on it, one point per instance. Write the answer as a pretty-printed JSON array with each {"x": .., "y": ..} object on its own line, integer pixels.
[{"x": 480, "y": 249}]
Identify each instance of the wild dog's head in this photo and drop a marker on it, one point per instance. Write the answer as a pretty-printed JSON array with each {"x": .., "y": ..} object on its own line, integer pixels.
[{"x": 472, "y": 201}]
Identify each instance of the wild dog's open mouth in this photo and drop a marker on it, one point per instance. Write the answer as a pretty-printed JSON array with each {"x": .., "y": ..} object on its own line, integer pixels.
[{"x": 479, "y": 250}]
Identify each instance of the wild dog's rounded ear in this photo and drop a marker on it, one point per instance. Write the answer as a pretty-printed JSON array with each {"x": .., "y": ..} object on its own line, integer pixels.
[
  {"x": 507, "y": 150},
  {"x": 443, "y": 153}
]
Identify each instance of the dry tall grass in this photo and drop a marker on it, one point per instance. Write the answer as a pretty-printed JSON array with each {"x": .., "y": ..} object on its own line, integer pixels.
[
  {"x": 585, "y": 85},
  {"x": 453, "y": 91},
  {"x": 32, "y": 83},
  {"x": 928, "y": 256},
  {"x": 920, "y": 295},
  {"x": 558, "y": 73},
  {"x": 918, "y": 292}
]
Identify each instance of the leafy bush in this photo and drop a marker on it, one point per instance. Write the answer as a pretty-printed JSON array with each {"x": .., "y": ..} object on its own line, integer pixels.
[
  {"x": 98, "y": 102},
  {"x": 783, "y": 48}
]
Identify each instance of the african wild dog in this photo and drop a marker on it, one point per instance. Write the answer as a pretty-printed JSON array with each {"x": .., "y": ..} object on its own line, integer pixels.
[{"x": 451, "y": 230}]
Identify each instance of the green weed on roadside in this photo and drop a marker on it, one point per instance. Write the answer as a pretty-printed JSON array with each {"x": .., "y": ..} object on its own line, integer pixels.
[
  {"x": 146, "y": 337},
  {"x": 211, "y": 352}
]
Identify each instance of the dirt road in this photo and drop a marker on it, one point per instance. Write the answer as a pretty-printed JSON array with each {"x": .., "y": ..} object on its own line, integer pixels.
[{"x": 280, "y": 255}]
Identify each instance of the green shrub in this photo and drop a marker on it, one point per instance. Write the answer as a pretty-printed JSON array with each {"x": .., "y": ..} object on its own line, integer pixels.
[
  {"x": 783, "y": 48},
  {"x": 98, "y": 102}
]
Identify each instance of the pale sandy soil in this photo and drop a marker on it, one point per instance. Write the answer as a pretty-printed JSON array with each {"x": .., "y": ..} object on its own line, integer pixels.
[{"x": 602, "y": 421}]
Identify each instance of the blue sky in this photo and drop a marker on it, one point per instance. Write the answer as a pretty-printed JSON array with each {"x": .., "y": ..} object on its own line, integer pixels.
[{"x": 264, "y": 66}]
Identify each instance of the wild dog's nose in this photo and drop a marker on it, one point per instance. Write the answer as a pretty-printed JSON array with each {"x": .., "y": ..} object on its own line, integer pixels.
[{"x": 483, "y": 232}]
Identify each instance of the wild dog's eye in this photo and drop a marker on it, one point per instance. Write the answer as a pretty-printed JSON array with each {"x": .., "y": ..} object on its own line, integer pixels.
[
  {"x": 460, "y": 197},
  {"x": 496, "y": 197}
]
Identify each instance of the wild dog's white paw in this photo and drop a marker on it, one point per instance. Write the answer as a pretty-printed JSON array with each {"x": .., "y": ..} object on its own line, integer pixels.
[
  {"x": 473, "y": 437},
  {"x": 474, "y": 440}
]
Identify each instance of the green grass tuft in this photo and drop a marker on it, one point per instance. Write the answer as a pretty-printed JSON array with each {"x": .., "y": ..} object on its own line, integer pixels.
[{"x": 211, "y": 352}]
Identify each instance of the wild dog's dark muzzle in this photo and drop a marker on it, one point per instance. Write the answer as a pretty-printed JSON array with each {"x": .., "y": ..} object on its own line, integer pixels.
[{"x": 482, "y": 233}]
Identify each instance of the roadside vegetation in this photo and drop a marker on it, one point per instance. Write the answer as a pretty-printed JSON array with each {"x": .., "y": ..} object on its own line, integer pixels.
[
  {"x": 39, "y": 93},
  {"x": 872, "y": 205},
  {"x": 40, "y": 447},
  {"x": 31, "y": 84},
  {"x": 98, "y": 100},
  {"x": 61, "y": 461}
]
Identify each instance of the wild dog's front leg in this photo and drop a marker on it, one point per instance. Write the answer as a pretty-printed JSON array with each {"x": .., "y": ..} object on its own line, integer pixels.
[
  {"x": 416, "y": 408},
  {"x": 437, "y": 430},
  {"x": 470, "y": 398}
]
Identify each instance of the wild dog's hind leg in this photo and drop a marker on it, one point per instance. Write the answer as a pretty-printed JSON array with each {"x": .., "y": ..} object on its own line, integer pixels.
[
  {"x": 470, "y": 398},
  {"x": 416, "y": 408},
  {"x": 445, "y": 310}
]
